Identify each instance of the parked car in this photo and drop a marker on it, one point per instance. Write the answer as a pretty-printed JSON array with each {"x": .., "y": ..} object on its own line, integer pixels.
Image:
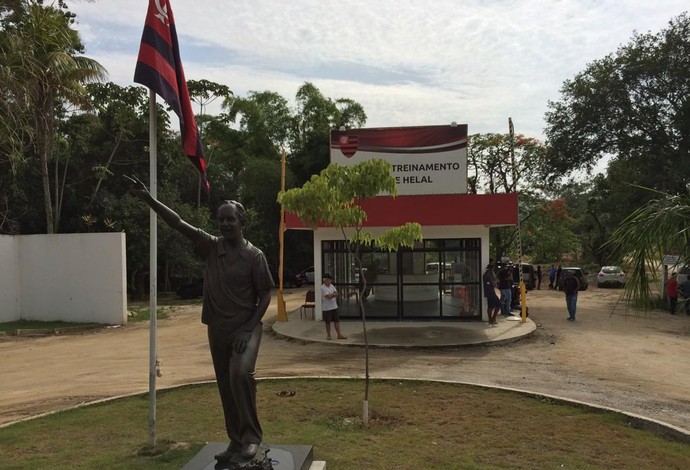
[
  {"x": 291, "y": 278},
  {"x": 579, "y": 273},
  {"x": 191, "y": 290},
  {"x": 611, "y": 276},
  {"x": 308, "y": 275},
  {"x": 683, "y": 273},
  {"x": 528, "y": 274}
]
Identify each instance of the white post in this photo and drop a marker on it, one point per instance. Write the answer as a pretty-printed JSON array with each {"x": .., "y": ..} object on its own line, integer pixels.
[{"x": 153, "y": 264}]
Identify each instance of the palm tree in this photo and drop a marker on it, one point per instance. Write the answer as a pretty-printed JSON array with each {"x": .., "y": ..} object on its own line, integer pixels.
[
  {"x": 45, "y": 72},
  {"x": 660, "y": 226}
]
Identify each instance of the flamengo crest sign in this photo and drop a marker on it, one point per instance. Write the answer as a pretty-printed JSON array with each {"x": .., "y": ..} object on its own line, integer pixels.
[{"x": 425, "y": 159}]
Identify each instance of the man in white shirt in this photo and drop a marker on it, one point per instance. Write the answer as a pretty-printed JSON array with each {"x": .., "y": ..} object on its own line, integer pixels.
[{"x": 329, "y": 306}]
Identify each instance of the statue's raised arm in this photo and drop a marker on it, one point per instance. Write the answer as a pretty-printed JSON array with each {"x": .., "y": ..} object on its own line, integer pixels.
[{"x": 168, "y": 215}]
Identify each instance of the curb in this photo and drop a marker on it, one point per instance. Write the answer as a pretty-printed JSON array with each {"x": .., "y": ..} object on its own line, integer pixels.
[{"x": 38, "y": 332}]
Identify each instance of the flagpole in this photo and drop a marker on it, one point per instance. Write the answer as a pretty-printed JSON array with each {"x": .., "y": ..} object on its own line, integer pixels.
[
  {"x": 153, "y": 265},
  {"x": 282, "y": 313}
]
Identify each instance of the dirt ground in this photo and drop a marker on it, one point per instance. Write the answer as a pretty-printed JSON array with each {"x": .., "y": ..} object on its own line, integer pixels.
[{"x": 635, "y": 363}]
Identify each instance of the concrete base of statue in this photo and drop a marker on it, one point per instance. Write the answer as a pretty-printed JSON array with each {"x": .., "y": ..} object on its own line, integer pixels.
[{"x": 269, "y": 457}]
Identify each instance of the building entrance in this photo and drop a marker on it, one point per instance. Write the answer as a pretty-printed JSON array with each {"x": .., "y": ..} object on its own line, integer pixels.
[{"x": 439, "y": 279}]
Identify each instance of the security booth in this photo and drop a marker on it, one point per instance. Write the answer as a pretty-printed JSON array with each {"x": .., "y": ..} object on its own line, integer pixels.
[{"x": 441, "y": 277}]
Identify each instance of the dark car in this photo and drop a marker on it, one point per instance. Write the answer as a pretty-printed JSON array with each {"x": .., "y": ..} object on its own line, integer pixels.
[
  {"x": 191, "y": 290},
  {"x": 528, "y": 274},
  {"x": 291, "y": 278},
  {"x": 579, "y": 273}
]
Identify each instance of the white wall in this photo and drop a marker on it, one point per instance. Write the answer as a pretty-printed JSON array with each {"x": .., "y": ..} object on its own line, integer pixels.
[
  {"x": 9, "y": 279},
  {"x": 71, "y": 277}
]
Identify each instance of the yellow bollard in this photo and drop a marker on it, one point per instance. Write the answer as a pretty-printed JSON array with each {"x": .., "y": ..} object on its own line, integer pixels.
[
  {"x": 282, "y": 312},
  {"x": 523, "y": 301}
]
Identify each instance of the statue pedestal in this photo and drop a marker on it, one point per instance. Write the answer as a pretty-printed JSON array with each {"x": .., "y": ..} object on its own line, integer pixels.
[{"x": 280, "y": 457}]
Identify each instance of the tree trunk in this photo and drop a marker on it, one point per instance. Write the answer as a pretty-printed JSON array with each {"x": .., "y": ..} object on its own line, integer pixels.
[
  {"x": 44, "y": 138},
  {"x": 45, "y": 177}
]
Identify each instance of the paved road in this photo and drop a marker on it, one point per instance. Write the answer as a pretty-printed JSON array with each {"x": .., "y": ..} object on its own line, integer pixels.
[{"x": 636, "y": 363}]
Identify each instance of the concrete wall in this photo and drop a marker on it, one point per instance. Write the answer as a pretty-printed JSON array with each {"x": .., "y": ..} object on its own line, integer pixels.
[
  {"x": 9, "y": 279},
  {"x": 70, "y": 277}
]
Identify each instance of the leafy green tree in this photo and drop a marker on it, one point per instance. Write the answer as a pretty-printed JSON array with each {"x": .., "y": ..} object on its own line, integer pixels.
[
  {"x": 634, "y": 106},
  {"x": 268, "y": 126},
  {"x": 501, "y": 163},
  {"x": 265, "y": 116},
  {"x": 313, "y": 120},
  {"x": 645, "y": 236},
  {"x": 123, "y": 112},
  {"x": 333, "y": 197},
  {"x": 43, "y": 71},
  {"x": 203, "y": 93},
  {"x": 550, "y": 232}
]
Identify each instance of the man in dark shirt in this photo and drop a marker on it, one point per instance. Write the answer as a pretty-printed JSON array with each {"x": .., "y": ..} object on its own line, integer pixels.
[
  {"x": 493, "y": 302},
  {"x": 237, "y": 292},
  {"x": 570, "y": 286},
  {"x": 684, "y": 290},
  {"x": 505, "y": 285}
]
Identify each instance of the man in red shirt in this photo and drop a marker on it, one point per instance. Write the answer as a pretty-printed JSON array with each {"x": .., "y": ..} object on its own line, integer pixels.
[{"x": 672, "y": 291}]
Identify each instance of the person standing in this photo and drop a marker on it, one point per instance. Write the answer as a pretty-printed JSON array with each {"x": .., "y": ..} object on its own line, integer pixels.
[
  {"x": 505, "y": 285},
  {"x": 570, "y": 287},
  {"x": 493, "y": 302},
  {"x": 552, "y": 276},
  {"x": 237, "y": 292},
  {"x": 672, "y": 291},
  {"x": 684, "y": 289},
  {"x": 539, "y": 274},
  {"x": 329, "y": 306},
  {"x": 557, "y": 282}
]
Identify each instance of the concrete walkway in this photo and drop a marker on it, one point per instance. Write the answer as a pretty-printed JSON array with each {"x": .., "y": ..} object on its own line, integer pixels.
[{"x": 407, "y": 335}]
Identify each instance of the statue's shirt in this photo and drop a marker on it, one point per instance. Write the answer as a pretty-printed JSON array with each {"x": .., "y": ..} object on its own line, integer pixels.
[{"x": 234, "y": 279}]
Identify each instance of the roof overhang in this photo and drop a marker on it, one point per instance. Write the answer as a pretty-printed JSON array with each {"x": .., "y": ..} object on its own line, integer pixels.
[{"x": 489, "y": 210}]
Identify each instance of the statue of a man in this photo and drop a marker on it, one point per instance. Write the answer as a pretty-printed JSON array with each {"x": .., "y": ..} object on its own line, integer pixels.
[{"x": 237, "y": 292}]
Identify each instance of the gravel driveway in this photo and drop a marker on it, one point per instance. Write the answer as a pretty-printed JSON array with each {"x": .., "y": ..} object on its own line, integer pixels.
[{"x": 635, "y": 363}]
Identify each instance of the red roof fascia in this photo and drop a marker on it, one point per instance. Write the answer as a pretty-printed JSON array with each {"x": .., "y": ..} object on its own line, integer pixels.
[{"x": 434, "y": 209}]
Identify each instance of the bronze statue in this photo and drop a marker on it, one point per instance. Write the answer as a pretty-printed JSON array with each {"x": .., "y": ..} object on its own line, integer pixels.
[{"x": 237, "y": 292}]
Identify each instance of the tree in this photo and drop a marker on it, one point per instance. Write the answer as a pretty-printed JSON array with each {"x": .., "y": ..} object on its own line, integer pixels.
[
  {"x": 645, "y": 236},
  {"x": 548, "y": 231},
  {"x": 203, "y": 93},
  {"x": 124, "y": 114},
  {"x": 633, "y": 105},
  {"x": 265, "y": 116},
  {"x": 44, "y": 71},
  {"x": 333, "y": 197},
  {"x": 505, "y": 163},
  {"x": 309, "y": 137}
]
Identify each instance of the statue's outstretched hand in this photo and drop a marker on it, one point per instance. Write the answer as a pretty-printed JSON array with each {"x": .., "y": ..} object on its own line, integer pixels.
[{"x": 136, "y": 187}]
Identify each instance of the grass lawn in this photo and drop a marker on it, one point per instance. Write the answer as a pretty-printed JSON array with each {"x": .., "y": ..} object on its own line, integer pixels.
[{"x": 413, "y": 425}]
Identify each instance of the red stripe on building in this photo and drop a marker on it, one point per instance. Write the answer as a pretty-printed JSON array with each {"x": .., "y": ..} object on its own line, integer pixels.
[{"x": 434, "y": 210}]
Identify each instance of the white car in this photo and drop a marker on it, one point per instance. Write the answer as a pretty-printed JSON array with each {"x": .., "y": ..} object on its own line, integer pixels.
[
  {"x": 683, "y": 273},
  {"x": 611, "y": 276},
  {"x": 308, "y": 275}
]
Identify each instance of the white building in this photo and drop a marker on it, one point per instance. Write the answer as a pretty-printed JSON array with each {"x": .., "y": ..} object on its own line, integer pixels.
[{"x": 440, "y": 279}]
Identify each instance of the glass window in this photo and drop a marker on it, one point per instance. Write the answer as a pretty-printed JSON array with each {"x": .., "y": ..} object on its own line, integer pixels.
[{"x": 439, "y": 278}]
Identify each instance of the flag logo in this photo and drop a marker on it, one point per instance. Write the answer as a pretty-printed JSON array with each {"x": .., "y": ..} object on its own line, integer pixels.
[
  {"x": 348, "y": 145},
  {"x": 159, "y": 68}
]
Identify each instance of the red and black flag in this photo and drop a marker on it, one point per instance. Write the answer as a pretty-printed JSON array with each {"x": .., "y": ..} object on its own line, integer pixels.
[{"x": 159, "y": 67}]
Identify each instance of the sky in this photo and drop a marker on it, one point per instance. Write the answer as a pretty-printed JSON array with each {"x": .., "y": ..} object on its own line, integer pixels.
[{"x": 406, "y": 62}]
